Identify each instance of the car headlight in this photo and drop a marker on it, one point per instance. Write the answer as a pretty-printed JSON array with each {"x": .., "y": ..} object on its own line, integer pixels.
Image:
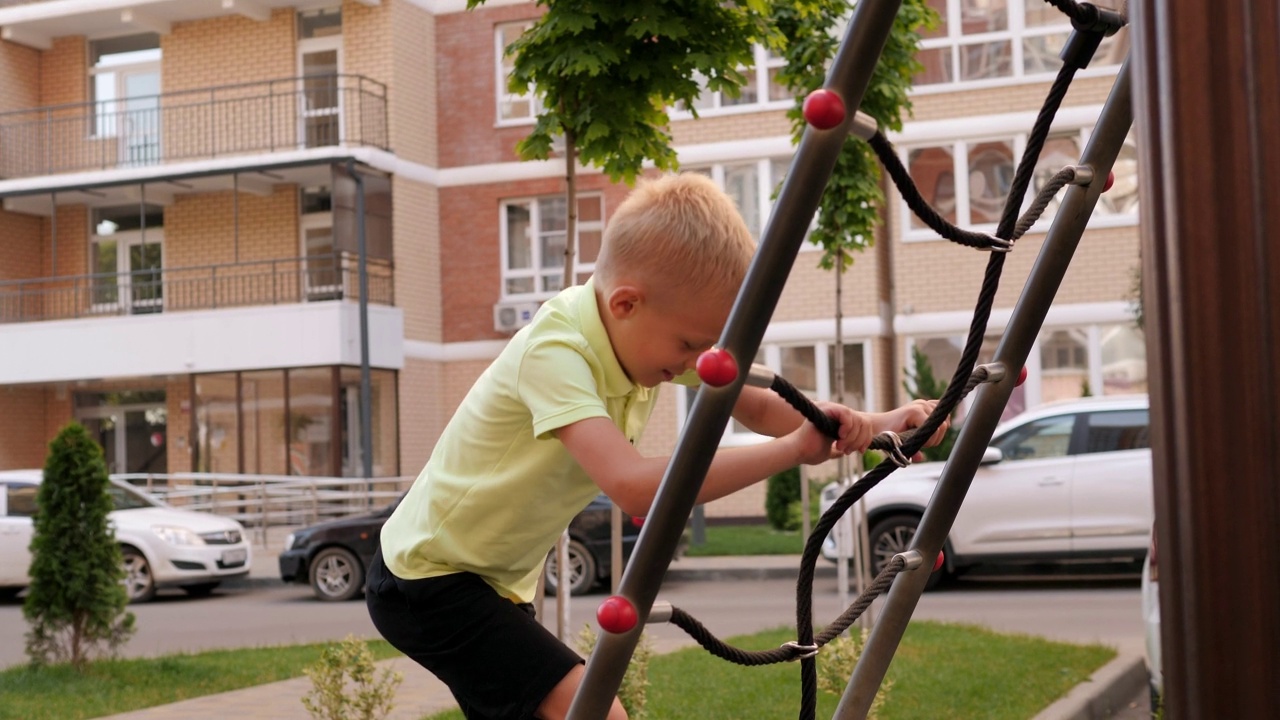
[
  {"x": 296, "y": 540},
  {"x": 288, "y": 541},
  {"x": 177, "y": 535}
]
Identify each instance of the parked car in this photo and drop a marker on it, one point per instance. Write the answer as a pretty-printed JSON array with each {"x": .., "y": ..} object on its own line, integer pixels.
[
  {"x": 162, "y": 546},
  {"x": 332, "y": 556},
  {"x": 1067, "y": 481},
  {"x": 1151, "y": 624}
]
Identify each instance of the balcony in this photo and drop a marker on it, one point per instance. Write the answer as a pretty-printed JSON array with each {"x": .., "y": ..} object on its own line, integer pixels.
[
  {"x": 243, "y": 119},
  {"x": 314, "y": 278}
]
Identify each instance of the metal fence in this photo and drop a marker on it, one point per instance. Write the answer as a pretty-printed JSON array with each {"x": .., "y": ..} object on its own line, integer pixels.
[
  {"x": 265, "y": 282},
  {"x": 261, "y": 502},
  {"x": 266, "y": 116}
]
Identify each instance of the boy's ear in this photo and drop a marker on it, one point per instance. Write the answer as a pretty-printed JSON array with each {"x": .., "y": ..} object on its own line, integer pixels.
[{"x": 624, "y": 300}]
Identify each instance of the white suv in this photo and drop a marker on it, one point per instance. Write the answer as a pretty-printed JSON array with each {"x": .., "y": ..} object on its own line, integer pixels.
[
  {"x": 162, "y": 546},
  {"x": 1066, "y": 481}
]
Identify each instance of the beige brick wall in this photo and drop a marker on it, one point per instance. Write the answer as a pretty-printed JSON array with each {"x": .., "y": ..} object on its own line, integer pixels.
[
  {"x": 19, "y": 76},
  {"x": 1021, "y": 97},
  {"x": 417, "y": 229},
  {"x": 725, "y": 128},
  {"x": 24, "y": 435},
  {"x": 412, "y": 74},
  {"x": 810, "y": 292}
]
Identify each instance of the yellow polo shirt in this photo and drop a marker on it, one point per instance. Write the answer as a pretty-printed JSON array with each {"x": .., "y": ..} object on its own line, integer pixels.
[{"x": 499, "y": 487}]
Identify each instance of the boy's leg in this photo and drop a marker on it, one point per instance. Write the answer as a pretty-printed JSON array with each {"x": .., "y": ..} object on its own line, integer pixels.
[
  {"x": 498, "y": 661},
  {"x": 556, "y": 705}
]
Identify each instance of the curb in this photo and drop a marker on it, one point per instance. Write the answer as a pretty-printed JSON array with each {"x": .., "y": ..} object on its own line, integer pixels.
[
  {"x": 673, "y": 573},
  {"x": 1107, "y": 691}
]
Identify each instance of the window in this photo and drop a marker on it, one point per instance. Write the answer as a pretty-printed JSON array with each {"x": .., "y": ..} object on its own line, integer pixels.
[
  {"x": 1113, "y": 431},
  {"x": 124, "y": 86},
  {"x": 512, "y": 106},
  {"x": 761, "y": 86},
  {"x": 22, "y": 499},
  {"x": 752, "y": 185},
  {"x": 1039, "y": 439},
  {"x": 533, "y": 243},
  {"x": 126, "y": 255},
  {"x": 990, "y": 41},
  {"x": 320, "y": 121},
  {"x": 989, "y": 165}
]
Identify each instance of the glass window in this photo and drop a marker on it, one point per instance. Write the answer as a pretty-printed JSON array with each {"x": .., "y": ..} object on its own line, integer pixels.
[
  {"x": 933, "y": 170},
  {"x": 124, "y": 77},
  {"x": 1122, "y": 198},
  {"x": 382, "y": 402},
  {"x": 752, "y": 186},
  {"x": 533, "y": 243},
  {"x": 320, "y": 23},
  {"x": 992, "y": 40},
  {"x": 1124, "y": 359},
  {"x": 217, "y": 424},
  {"x": 310, "y": 426},
  {"x": 1112, "y": 431},
  {"x": 990, "y": 177},
  {"x": 262, "y": 399},
  {"x": 1037, "y": 440},
  {"x": 760, "y": 88},
  {"x": 512, "y": 106},
  {"x": 855, "y": 391},
  {"x": 1060, "y": 150},
  {"x": 22, "y": 499},
  {"x": 1064, "y": 363}
]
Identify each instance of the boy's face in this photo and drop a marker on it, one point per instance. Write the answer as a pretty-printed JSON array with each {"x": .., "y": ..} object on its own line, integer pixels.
[{"x": 657, "y": 337}]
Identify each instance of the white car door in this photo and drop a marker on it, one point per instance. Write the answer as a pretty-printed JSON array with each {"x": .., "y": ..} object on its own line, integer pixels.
[
  {"x": 1111, "y": 499},
  {"x": 16, "y": 508},
  {"x": 1021, "y": 504}
]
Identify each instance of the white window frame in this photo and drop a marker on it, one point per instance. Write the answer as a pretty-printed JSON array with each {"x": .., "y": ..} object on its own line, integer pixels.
[
  {"x": 960, "y": 158},
  {"x": 766, "y": 184},
  {"x": 762, "y": 62},
  {"x": 1015, "y": 33},
  {"x": 501, "y": 95},
  {"x": 534, "y": 204}
]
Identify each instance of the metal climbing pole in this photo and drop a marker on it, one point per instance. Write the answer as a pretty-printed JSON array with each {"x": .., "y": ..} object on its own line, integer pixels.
[
  {"x": 801, "y": 192},
  {"x": 980, "y": 423}
]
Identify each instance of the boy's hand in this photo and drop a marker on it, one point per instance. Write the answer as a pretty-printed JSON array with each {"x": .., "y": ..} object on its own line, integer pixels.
[
  {"x": 912, "y": 415},
  {"x": 856, "y": 432}
]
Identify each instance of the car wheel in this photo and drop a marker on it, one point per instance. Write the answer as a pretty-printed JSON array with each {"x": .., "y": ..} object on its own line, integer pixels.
[
  {"x": 201, "y": 589},
  {"x": 139, "y": 585},
  {"x": 893, "y": 535},
  {"x": 336, "y": 575},
  {"x": 581, "y": 570}
]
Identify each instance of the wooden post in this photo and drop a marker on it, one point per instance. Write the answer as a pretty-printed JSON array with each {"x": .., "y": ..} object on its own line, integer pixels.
[{"x": 1207, "y": 98}]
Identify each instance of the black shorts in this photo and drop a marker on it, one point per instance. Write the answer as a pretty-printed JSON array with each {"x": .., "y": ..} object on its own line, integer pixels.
[{"x": 499, "y": 662}]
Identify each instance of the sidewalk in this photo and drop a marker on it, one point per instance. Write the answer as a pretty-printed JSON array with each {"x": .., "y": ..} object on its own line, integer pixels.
[{"x": 422, "y": 694}]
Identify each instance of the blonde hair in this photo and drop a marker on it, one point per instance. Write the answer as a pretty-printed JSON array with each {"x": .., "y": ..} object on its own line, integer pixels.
[{"x": 682, "y": 231}]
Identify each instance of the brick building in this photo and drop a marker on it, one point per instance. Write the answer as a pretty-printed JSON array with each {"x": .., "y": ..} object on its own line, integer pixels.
[{"x": 189, "y": 188}]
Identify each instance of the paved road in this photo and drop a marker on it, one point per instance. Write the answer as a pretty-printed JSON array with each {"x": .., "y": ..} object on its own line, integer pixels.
[{"x": 1072, "y": 610}]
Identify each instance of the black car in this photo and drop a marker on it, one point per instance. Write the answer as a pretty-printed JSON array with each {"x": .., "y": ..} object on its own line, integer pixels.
[{"x": 332, "y": 556}]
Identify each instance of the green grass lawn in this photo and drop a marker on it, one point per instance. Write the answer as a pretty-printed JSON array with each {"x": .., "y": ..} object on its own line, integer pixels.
[
  {"x": 747, "y": 540},
  {"x": 939, "y": 671},
  {"x": 116, "y": 686}
]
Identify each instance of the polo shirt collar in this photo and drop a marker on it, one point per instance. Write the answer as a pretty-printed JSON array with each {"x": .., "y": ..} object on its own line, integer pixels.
[{"x": 616, "y": 382}]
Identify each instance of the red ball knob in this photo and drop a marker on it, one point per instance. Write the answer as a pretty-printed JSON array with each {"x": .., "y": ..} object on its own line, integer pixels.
[
  {"x": 616, "y": 615},
  {"x": 1111, "y": 180},
  {"x": 1022, "y": 376},
  {"x": 937, "y": 564},
  {"x": 823, "y": 109},
  {"x": 717, "y": 367}
]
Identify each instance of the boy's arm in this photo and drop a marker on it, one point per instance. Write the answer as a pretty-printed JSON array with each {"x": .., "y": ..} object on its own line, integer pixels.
[{"x": 632, "y": 480}]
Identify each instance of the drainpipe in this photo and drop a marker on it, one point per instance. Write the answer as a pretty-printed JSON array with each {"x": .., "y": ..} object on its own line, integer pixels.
[{"x": 366, "y": 383}]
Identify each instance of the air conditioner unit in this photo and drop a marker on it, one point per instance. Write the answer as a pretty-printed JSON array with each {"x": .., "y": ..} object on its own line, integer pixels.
[{"x": 511, "y": 316}]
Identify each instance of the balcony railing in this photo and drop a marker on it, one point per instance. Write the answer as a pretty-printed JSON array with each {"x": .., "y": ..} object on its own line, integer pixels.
[
  {"x": 258, "y": 117},
  {"x": 267, "y": 282}
]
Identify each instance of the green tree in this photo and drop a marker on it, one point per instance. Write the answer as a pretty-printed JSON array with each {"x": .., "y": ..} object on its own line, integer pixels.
[
  {"x": 608, "y": 70},
  {"x": 853, "y": 199},
  {"x": 921, "y": 383},
  {"x": 782, "y": 493},
  {"x": 75, "y": 604}
]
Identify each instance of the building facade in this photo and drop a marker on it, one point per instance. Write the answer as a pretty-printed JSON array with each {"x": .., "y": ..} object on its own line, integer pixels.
[{"x": 263, "y": 236}]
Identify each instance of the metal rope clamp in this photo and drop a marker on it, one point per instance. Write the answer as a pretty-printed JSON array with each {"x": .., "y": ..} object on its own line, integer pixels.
[{"x": 804, "y": 652}]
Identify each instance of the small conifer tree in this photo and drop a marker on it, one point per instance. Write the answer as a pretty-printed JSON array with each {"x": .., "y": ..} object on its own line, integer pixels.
[
  {"x": 75, "y": 604},
  {"x": 923, "y": 384}
]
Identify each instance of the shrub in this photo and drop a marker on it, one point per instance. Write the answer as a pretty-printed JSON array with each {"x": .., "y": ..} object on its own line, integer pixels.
[
  {"x": 347, "y": 686},
  {"x": 924, "y": 385},
  {"x": 634, "y": 691},
  {"x": 836, "y": 661},
  {"x": 781, "y": 492},
  {"x": 76, "y": 602}
]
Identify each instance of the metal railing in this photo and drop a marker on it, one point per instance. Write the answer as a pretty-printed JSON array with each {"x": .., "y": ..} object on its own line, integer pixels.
[
  {"x": 264, "y": 282},
  {"x": 261, "y": 502},
  {"x": 266, "y": 116}
]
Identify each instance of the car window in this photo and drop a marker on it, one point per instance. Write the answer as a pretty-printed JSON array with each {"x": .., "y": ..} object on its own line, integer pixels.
[
  {"x": 21, "y": 500},
  {"x": 1043, "y": 438},
  {"x": 1117, "y": 430},
  {"x": 126, "y": 498}
]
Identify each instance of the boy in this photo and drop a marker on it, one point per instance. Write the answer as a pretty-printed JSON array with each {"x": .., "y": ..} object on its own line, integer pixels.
[{"x": 554, "y": 421}]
